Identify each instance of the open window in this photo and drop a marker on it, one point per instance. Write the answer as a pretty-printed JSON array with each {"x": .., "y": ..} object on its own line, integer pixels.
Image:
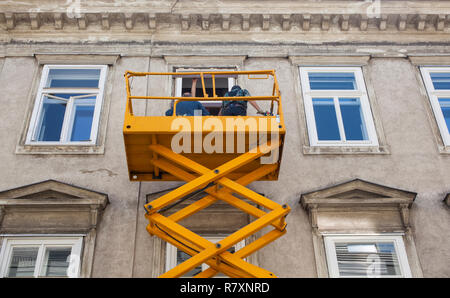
[
  {"x": 68, "y": 105},
  {"x": 437, "y": 83},
  {"x": 222, "y": 85}
]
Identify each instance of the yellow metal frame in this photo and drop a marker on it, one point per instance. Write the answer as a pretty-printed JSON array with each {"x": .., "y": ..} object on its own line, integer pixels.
[
  {"x": 202, "y": 250},
  {"x": 275, "y": 97},
  {"x": 223, "y": 183}
]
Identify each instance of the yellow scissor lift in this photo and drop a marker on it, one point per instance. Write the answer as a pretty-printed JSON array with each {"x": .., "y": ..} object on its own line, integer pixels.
[{"x": 222, "y": 176}]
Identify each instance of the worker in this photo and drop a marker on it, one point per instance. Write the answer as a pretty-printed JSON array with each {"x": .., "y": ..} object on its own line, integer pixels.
[
  {"x": 188, "y": 108},
  {"x": 238, "y": 107}
]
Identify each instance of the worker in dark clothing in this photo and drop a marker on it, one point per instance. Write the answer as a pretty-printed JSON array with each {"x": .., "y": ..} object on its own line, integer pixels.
[
  {"x": 187, "y": 108},
  {"x": 237, "y": 107}
]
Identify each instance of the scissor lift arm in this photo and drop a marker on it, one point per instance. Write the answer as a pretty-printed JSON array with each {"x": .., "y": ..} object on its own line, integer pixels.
[{"x": 218, "y": 185}]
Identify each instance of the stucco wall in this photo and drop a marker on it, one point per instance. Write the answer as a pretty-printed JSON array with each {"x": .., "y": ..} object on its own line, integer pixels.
[
  {"x": 122, "y": 248},
  {"x": 414, "y": 164},
  {"x": 105, "y": 173},
  {"x": 156, "y": 35}
]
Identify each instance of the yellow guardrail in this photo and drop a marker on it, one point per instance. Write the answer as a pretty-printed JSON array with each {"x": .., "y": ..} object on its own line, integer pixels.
[{"x": 275, "y": 97}]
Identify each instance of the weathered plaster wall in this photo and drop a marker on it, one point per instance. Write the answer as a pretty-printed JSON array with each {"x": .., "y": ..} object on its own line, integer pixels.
[
  {"x": 414, "y": 164},
  {"x": 105, "y": 173},
  {"x": 123, "y": 247}
]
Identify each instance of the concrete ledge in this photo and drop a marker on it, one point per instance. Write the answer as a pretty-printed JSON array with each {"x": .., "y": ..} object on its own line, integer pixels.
[
  {"x": 76, "y": 59},
  {"x": 423, "y": 60},
  {"x": 207, "y": 61},
  {"x": 345, "y": 150},
  {"x": 345, "y": 59}
]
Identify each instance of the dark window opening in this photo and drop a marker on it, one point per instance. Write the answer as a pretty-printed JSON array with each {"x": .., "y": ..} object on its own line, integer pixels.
[{"x": 213, "y": 107}]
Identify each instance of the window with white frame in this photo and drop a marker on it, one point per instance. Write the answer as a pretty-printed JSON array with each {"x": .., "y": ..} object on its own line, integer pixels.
[
  {"x": 337, "y": 107},
  {"x": 174, "y": 257},
  {"x": 68, "y": 105},
  {"x": 437, "y": 83},
  {"x": 366, "y": 256},
  {"x": 40, "y": 257}
]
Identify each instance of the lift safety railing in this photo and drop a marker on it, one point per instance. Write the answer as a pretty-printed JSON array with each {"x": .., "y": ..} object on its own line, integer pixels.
[
  {"x": 251, "y": 75},
  {"x": 218, "y": 184}
]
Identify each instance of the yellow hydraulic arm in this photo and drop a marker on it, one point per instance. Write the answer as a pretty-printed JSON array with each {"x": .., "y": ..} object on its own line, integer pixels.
[{"x": 147, "y": 142}]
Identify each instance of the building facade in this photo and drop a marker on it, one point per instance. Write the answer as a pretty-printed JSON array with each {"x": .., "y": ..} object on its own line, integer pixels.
[{"x": 366, "y": 95}]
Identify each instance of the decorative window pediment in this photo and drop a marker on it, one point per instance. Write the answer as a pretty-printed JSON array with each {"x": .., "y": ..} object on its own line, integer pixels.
[
  {"x": 56, "y": 210},
  {"x": 357, "y": 193},
  {"x": 57, "y": 207},
  {"x": 362, "y": 211},
  {"x": 52, "y": 193}
]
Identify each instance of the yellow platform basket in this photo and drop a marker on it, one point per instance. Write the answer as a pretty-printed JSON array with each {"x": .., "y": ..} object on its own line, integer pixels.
[
  {"x": 142, "y": 132},
  {"x": 217, "y": 155}
]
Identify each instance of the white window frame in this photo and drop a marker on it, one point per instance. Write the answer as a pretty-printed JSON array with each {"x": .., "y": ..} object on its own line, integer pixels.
[
  {"x": 171, "y": 252},
  {"x": 433, "y": 96},
  {"x": 206, "y": 103},
  {"x": 397, "y": 239},
  {"x": 68, "y": 118},
  {"x": 360, "y": 93},
  {"x": 42, "y": 242}
]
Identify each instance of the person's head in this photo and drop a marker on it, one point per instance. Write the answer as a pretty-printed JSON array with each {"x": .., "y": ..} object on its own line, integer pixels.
[
  {"x": 235, "y": 88},
  {"x": 187, "y": 94}
]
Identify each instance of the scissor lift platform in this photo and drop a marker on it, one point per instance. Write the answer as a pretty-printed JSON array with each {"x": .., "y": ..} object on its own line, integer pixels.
[
  {"x": 142, "y": 132},
  {"x": 250, "y": 150}
]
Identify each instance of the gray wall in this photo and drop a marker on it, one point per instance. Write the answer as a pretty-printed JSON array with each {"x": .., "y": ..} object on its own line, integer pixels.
[{"x": 123, "y": 246}]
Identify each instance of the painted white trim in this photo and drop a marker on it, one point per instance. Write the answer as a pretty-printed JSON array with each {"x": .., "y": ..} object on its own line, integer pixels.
[
  {"x": 433, "y": 96},
  {"x": 360, "y": 93},
  {"x": 10, "y": 242},
  {"x": 68, "y": 117},
  {"x": 363, "y": 234},
  {"x": 396, "y": 238}
]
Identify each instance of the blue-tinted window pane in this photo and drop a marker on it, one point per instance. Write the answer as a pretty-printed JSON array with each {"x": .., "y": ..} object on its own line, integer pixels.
[
  {"x": 445, "y": 107},
  {"x": 52, "y": 117},
  {"x": 352, "y": 117},
  {"x": 326, "y": 121},
  {"x": 332, "y": 81},
  {"x": 441, "y": 80},
  {"x": 73, "y": 78},
  {"x": 82, "y": 123}
]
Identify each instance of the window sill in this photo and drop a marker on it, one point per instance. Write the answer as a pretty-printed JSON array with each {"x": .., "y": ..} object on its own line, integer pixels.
[
  {"x": 444, "y": 149},
  {"x": 60, "y": 149},
  {"x": 345, "y": 150}
]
